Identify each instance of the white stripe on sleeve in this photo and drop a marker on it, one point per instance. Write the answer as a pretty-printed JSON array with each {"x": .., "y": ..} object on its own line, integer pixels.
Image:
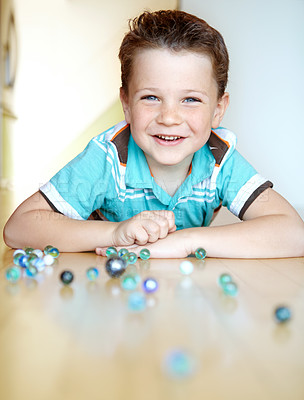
[
  {"x": 245, "y": 192},
  {"x": 58, "y": 201}
]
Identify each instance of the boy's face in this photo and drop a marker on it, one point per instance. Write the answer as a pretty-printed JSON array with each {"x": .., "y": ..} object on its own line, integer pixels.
[{"x": 172, "y": 105}]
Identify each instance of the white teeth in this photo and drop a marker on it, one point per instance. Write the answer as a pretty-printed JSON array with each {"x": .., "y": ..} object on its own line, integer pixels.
[{"x": 169, "y": 137}]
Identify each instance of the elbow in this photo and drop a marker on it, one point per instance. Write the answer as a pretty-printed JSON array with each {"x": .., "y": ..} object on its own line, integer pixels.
[
  {"x": 292, "y": 237},
  {"x": 301, "y": 240},
  {"x": 8, "y": 236},
  {"x": 297, "y": 239}
]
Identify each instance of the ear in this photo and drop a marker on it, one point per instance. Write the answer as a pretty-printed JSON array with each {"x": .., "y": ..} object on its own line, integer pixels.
[
  {"x": 220, "y": 110},
  {"x": 125, "y": 104}
]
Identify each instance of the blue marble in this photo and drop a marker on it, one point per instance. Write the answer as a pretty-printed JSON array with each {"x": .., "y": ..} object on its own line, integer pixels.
[
  {"x": 19, "y": 251},
  {"x": 122, "y": 252},
  {"x": 132, "y": 258},
  {"x": 66, "y": 277},
  {"x": 200, "y": 253},
  {"x": 179, "y": 364},
  {"x": 17, "y": 257},
  {"x": 39, "y": 253},
  {"x": 54, "y": 252},
  {"x": 230, "y": 288},
  {"x": 223, "y": 279},
  {"x": 137, "y": 301},
  {"x": 144, "y": 254},
  {"x": 126, "y": 257},
  {"x": 31, "y": 259},
  {"x": 31, "y": 271},
  {"x": 115, "y": 266},
  {"x": 13, "y": 274},
  {"x": 28, "y": 250},
  {"x": 39, "y": 264},
  {"x": 47, "y": 248},
  {"x": 282, "y": 314},
  {"x": 92, "y": 273},
  {"x": 23, "y": 261},
  {"x": 150, "y": 285},
  {"x": 186, "y": 267},
  {"x": 130, "y": 281},
  {"x": 111, "y": 251}
]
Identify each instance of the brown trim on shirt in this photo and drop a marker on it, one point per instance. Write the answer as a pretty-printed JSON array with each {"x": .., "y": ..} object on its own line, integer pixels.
[
  {"x": 50, "y": 203},
  {"x": 121, "y": 140},
  {"x": 97, "y": 215},
  {"x": 253, "y": 196},
  {"x": 218, "y": 147}
]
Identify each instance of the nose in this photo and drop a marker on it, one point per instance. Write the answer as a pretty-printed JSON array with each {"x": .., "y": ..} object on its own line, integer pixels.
[{"x": 169, "y": 114}]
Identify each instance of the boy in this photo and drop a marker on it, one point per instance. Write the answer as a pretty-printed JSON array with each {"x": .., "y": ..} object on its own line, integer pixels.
[{"x": 157, "y": 179}]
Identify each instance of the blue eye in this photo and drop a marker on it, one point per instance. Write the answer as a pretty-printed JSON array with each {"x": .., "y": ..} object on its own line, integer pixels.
[
  {"x": 150, "y": 97},
  {"x": 192, "y": 100}
]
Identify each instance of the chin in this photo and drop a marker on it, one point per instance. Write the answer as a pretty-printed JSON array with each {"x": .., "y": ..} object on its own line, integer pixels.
[{"x": 170, "y": 164}]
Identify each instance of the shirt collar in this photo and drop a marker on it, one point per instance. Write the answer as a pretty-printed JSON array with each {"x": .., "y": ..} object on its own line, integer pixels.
[
  {"x": 138, "y": 174},
  {"x": 202, "y": 164},
  {"x": 201, "y": 168},
  {"x": 137, "y": 170}
]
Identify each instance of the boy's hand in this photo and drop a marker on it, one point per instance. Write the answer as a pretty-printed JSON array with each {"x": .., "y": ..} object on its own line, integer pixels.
[
  {"x": 145, "y": 227},
  {"x": 176, "y": 245}
]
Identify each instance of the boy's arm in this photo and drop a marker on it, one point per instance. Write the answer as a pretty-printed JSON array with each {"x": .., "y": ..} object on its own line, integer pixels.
[
  {"x": 35, "y": 224},
  {"x": 271, "y": 229}
]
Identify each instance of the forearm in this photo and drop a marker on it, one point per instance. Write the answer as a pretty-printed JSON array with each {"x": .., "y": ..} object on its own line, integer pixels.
[
  {"x": 271, "y": 236},
  {"x": 38, "y": 228}
]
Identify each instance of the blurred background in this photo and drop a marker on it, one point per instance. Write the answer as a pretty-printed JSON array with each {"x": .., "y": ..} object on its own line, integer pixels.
[{"x": 60, "y": 79}]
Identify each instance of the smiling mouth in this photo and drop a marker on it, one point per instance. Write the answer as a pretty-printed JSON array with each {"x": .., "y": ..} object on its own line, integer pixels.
[{"x": 168, "y": 138}]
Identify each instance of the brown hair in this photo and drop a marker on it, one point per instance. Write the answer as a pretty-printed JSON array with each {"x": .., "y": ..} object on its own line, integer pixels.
[{"x": 174, "y": 30}]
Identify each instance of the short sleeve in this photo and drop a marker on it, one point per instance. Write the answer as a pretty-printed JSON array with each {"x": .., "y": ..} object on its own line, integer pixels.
[
  {"x": 80, "y": 187},
  {"x": 239, "y": 184}
]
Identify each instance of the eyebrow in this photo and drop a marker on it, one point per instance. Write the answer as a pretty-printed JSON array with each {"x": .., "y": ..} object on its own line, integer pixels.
[
  {"x": 195, "y": 91},
  {"x": 186, "y": 91},
  {"x": 148, "y": 89}
]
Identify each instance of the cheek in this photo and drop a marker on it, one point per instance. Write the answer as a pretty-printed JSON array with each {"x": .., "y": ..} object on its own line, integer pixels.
[
  {"x": 199, "y": 123},
  {"x": 139, "y": 116},
  {"x": 201, "y": 127}
]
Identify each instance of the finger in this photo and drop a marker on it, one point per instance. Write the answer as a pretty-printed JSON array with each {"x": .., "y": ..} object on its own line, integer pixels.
[
  {"x": 154, "y": 230},
  {"x": 138, "y": 234},
  {"x": 171, "y": 220},
  {"x": 163, "y": 227},
  {"x": 158, "y": 224},
  {"x": 101, "y": 251},
  {"x": 168, "y": 216},
  {"x": 147, "y": 231}
]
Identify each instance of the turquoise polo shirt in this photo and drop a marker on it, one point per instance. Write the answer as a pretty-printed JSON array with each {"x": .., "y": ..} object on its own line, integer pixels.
[{"x": 111, "y": 180}]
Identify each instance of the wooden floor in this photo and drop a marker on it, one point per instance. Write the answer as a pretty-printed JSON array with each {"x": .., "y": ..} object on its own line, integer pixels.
[{"x": 82, "y": 341}]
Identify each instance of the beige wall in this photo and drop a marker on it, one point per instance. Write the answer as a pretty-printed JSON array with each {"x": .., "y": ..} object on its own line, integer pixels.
[
  {"x": 7, "y": 118},
  {"x": 68, "y": 76}
]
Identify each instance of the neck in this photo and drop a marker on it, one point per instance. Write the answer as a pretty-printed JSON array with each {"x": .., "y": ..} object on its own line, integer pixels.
[{"x": 169, "y": 177}]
